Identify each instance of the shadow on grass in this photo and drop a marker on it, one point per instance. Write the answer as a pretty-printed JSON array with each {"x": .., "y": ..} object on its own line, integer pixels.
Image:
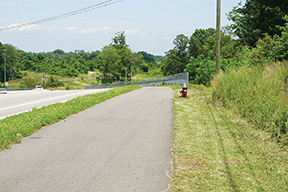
[
  {"x": 224, "y": 154},
  {"x": 231, "y": 131},
  {"x": 242, "y": 152}
]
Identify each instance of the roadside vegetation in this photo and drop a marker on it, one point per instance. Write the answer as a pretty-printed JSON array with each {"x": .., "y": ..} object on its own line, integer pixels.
[
  {"x": 215, "y": 149},
  {"x": 105, "y": 66},
  {"x": 52, "y": 82},
  {"x": 13, "y": 128},
  {"x": 231, "y": 131},
  {"x": 259, "y": 94}
]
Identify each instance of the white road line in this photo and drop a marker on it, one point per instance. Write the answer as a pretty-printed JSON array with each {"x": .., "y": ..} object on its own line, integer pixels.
[
  {"x": 15, "y": 114},
  {"x": 23, "y": 104},
  {"x": 63, "y": 101}
]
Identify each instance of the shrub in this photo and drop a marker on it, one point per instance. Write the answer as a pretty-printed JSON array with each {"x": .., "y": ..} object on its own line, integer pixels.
[
  {"x": 257, "y": 93},
  {"x": 32, "y": 82},
  {"x": 202, "y": 70},
  {"x": 54, "y": 82},
  {"x": 22, "y": 85}
]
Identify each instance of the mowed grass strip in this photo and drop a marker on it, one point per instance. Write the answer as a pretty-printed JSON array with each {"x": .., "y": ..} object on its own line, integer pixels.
[
  {"x": 13, "y": 128},
  {"x": 216, "y": 150}
]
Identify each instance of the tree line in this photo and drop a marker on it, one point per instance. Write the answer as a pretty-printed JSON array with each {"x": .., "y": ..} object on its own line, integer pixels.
[
  {"x": 112, "y": 62},
  {"x": 259, "y": 34}
]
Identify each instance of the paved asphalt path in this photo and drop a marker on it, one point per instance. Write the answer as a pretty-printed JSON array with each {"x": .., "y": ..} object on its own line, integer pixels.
[
  {"x": 16, "y": 102},
  {"x": 123, "y": 144}
]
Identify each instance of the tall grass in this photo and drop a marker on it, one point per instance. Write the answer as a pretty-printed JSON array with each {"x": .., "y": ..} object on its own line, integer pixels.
[
  {"x": 217, "y": 150},
  {"x": 13, "y": 128},
  {"x": 259, "y": 94}
]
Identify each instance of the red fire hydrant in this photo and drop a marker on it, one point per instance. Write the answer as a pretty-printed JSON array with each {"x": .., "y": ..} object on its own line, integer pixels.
[{"x": 183, "y": 91}]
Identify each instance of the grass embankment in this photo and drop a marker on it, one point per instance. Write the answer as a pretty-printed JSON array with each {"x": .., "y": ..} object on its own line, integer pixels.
[
  {"x": 216, "y": 150},
  {"x": 147, "y": 76},
  {"x": 13, "y": 128},
  {"x": 259, "y": 94}
]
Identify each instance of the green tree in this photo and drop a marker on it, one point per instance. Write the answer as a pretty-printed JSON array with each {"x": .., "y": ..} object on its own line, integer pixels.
[
  {"x": 229, "y": 47},
  {"x": 198, "y": 40},
  {"x": 119, "y": 41},
  {"x": 148, "y": 58},
  {"x": 281, "y": 47},
  {"x": 12, "y": 62},
  {"x": 178, "y": 57},
  {"x": 110, "y": 64},
  {"x": 39, "y": 61},
  {"x": 257, "y": 17},
  {"x": 124, "y": 53},
  {"x": 1, "y": 62},
  {"x": 201, "y": 70}
]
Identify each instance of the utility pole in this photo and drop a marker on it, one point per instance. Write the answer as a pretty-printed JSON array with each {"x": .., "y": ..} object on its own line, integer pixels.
[
  {"x": 43, "y": 79},
  {"x": 218, "y": 25},
  {"x": 132, "y": 65},
  {"x": 131, "y": 74},
  {"x": 4, "y": 67},
  {"x": 125, "y": 76}
]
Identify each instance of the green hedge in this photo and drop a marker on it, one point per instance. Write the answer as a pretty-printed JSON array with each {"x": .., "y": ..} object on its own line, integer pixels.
[
  {"x": 259, "y": 94},
  {"x": 13, "y": 128}
]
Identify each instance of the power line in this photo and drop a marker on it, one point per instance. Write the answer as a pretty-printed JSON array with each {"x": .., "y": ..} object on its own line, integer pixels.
[{"x": 69, "y": 14}]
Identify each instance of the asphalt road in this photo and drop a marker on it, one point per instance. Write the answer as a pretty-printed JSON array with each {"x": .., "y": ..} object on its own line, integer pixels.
[
  {"x": 16, "y": 102},
  {"x": 123, "y": 144}
]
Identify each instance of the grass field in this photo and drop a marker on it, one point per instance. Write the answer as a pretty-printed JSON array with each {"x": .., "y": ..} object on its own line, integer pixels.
[
  {"x": 147, "y": 76},
  {"x": 216, "y": 150},
  {"x": 68, "y": 82}
]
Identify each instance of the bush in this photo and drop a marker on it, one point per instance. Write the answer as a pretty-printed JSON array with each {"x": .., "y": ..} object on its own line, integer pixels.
[
  {"x": 22, "y": 85},
  {"x": 32, "y": 82},
  {"x": 54, "y": 82},
  {"x": 257, "y": 93},
  {"x": 202, "y": 70}
]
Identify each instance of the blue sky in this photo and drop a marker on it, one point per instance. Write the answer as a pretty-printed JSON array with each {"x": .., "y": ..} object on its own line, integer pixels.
[{"x": 149, "y": 25}]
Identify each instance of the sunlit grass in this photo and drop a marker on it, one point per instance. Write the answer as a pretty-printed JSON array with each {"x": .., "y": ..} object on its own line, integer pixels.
[
  {"x": 148, "y": 76},
  {"x": 216, "y": 150},
  {"x": 257, "y": 93},
  {"x": 13, "y": 128}
]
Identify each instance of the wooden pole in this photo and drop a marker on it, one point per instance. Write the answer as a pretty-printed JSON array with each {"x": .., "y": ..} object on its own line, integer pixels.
[
  {"x": 218, "y": 35},
  {"x": 132, "y": 65},
  {"x": 125, "y": 76}
]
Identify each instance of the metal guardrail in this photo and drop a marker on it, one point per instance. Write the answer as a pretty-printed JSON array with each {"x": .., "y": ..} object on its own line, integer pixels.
[
  {"x": 178, "y": 79},
  {"x": 19, "y": 89}
]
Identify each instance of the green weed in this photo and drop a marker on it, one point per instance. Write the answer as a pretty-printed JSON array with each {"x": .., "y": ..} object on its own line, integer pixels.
[
  {"x": 257, "y": 93},
  {"x": 216, "y": 150}
]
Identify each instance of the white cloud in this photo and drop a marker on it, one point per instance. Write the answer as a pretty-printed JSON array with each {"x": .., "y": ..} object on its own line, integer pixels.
[
  {"x": 93, "y": 30},
  {"x": 167, "y": 37},
  {"x": 70, "y": 28},
  {"x": 15, "y": 26},
  {"x": 132, "y": 31},
  {"x": 52, "y": 28}
]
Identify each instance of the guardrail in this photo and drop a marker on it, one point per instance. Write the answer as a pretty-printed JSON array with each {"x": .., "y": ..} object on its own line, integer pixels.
[
  {"x": 178, "y": 79},
  {"x": 19, "y": 89}
]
